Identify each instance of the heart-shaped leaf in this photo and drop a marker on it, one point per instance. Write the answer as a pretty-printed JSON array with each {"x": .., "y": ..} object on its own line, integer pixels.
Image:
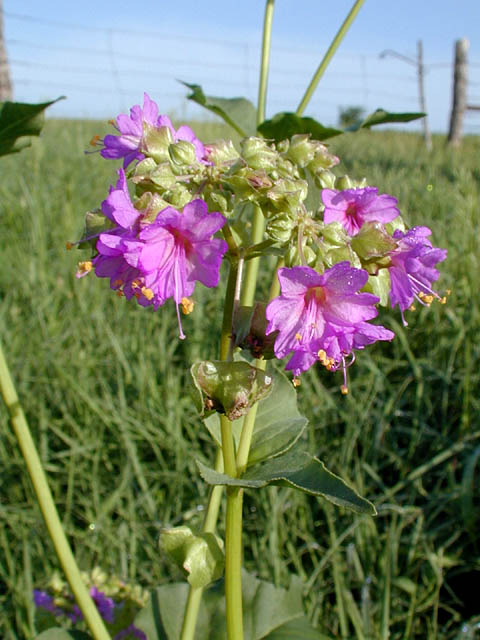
[
  {"x": 18, "y": 122},
  {"x": 297, "y": 470},
  {"x": 239, "y": 113},
  {"x": 286, "y": 124}
]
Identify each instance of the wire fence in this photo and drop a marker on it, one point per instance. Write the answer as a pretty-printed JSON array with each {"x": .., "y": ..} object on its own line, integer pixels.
[{"x": 105, "y": 70}]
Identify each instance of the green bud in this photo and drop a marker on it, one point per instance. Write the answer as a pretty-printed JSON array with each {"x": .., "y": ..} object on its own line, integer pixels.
[
  {"x": 156, "y": 142},
  {"x": 218, "y": 201},
  {"x": 334, "y": 234},
  {"x": 222, "y": 152},
  {"x": 293, "y": 257},
  {"x": 258, "y": 154},
  {"x": 302, "y": 150},
  {"x": 247, "y": 182},
  {"x": 343, "y": 182},
  {"x": 182, "y": 153},
  {"x": 150, "y": 204},
  {"x": 148, "y": 172},
  {"x": 228, "y": 387},
  {"x": 322, "y": 159},
  {"x": 286, "y": 195},
  {"x": 372, "y": 241},
  {"x": 179, "y": 196},
  {"x": 280, "y": 226},
  {"x": 201, "y": 556},
  {"x": 325, "y": 179}
]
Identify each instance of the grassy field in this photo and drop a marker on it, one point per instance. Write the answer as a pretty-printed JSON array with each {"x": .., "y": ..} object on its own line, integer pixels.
[{"x": 103, "y": 384}]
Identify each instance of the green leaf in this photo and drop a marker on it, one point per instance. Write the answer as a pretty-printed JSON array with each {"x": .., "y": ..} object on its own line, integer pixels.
[
  {"x": 298, "y": 629},
  {"x": 265, "y": 609},
  {"x": 286, "y": 124},
  {"x": 297, "y": 470},
  {"x": 201, "y": 556},
  {"x": 278, "y": 424},
  {"x": 57, "y": 633},
  {"x": 239, "y": 113},
  {"x": 380, "y": 116},
  {"x": 18, "y": 122}
]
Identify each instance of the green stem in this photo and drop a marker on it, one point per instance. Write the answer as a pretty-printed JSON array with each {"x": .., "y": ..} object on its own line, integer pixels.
[
  {"x": 47, "y": 506},
  {"x": 258, "y": 224},
  {"x": 265, "y": 62},
  {"x": 233, "y": 564},
  {"x": 328, "y": 56},
  {"x": 194, "y": 598}
]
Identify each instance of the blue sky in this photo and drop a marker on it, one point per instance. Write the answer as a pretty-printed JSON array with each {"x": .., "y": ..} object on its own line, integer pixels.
[{"x": 103, "y": 55}]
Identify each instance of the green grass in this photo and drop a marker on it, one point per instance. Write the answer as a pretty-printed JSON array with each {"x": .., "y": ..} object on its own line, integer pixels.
[{"x": 104, "y": 385}]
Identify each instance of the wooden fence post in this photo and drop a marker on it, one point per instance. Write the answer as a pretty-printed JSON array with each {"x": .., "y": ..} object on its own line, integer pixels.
[
  {"x": 459, "y": 103},
  {"x": 5, "y": 84}
]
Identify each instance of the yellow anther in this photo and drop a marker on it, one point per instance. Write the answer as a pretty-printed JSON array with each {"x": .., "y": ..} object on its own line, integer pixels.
[
  {"x": 344, "y": 389},
  {"x": 328, "y": 363},
  {"x": 94, "y": 141},
  {"x": 187, "y": 305},
  {"x": 296, "y": 382},
  {"x": 448, "y": 292},
  {"x": 412, "y": 307},
  {"x": 298, "y": 337},
  {"x": 68, "y": 246},
  {"x": 443, "y": 300},
  {"x": 428, "y": 299},
  {"x": 148, "y": 293},
  {"x": 135, "y": 284},
  {"x": 85, "y": 266}
]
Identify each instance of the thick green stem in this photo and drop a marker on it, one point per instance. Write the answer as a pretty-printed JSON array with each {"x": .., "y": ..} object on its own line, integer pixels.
[
  {"x": 47, "y": 506},
  {"x": 233, "y": 564},
  {"x": 194, "y": 598},
  {"x": 328, "y": 56}
]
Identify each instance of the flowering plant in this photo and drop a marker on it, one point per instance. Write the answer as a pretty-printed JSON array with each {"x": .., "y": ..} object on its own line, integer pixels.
[{"x": 179, "y": 210}]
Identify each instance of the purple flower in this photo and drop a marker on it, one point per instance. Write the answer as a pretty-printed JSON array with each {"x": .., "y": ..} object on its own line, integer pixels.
[
  {"x": 413, "y": 268},
  {"x": 105, "y": 605},
  {"x": 130, "y": 632},
  {"x": 322, "y": 317},
  {"x": 45, "y": 601},
  {"x": 178, "y": 250},
  {"x": 353, "y": 207},
  {"x": 118, "y": 206},
  {"x": 130, "y": 143}
]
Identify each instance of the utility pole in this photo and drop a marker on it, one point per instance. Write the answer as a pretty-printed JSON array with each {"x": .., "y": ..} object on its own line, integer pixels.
[
  {"x": 5, "y": 83},
  {"x": 420, "y": 67},
  {"x": 459, "y": 102}
]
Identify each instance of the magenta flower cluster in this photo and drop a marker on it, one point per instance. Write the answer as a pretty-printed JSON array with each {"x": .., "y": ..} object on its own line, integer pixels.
[
  {"x": 158, "y": 260},
  {"x": 318, "y": 317},
  {"x": 325, "y": 317}
]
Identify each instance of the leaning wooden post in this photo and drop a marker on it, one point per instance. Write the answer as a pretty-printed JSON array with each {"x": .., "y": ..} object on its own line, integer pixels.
[
  {"x": 421, "y": 95},
  {"x": 459, "y": 103}
]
